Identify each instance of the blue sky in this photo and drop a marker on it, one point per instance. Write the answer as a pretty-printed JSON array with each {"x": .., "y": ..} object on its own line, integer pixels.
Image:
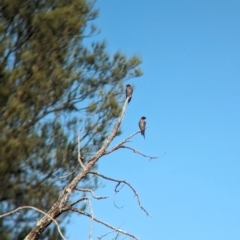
[{"x": 190, "y": 94}]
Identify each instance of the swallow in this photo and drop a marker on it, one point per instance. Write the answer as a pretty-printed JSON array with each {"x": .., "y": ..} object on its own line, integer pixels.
[
  {"x": 129, "y": 92},
  {"x": 142, "y": 125}
]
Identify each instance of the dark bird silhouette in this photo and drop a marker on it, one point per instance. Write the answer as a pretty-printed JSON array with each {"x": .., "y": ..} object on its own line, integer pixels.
[
  {"x": 129, "y": 92},
  {"x": 142, "y": 125}
]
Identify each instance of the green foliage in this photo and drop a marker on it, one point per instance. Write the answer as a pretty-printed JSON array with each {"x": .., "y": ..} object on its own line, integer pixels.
[{"x": 51, "y": 85}]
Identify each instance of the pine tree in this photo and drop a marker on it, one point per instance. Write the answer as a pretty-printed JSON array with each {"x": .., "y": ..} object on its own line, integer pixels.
[{"x": 52, "y": 83}]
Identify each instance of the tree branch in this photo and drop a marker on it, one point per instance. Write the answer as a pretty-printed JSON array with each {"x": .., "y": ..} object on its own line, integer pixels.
[
  {"x": 138, "y": 152},
  {"x": 104, "y": 223},
  {"x": 104, "y": 235},
  {"x": 91, "y": 191},
  {"x": 121, "y": 143},
  {"x": 79, "y": 152},
  {"x": 79, "y": 200},
  {"x": 124, "y": 182},
  {"x": 38, "y": 210},
  {"x": 61, "y": 203},
  {"x": 92, "y": 218},
  {"x": 65, "y": 176}
]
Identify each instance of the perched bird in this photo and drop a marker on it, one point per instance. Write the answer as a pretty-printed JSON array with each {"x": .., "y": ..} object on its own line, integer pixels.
[
  {"x": 129, "y": 92},
  {"x": 142, "y": 125}
]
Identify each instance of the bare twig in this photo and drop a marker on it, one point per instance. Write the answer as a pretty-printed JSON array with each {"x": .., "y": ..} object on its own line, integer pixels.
[
  {"x": 121, "y": 143},
  {"x": 91, "y": 191},
  {"x": 138, "y": 152},
  {"x": 79, "y": 152},
  {"x": 104, "y": 235},
  {"x": 69, "y": 173},
  {"x": 90, "y": 209},
  {"x": 79, "y": 200},
  {"x": 116, "y": 191},
  {"x": 103, "y": 223},
  {"x": 92, "y": 218},
  {"x": 114, "y": 202},
  {"x": 50, "y": 173},
  {"x": 119, "y": 182},
  {"x": 38, "y": 210},
  {"x": 116, "y": 236}
]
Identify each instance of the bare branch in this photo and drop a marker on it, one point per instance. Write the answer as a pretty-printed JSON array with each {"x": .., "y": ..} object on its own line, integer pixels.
[
  {"x": 79, "y": 200},
  {"x": 115, "y": 202},
  {"x": 91, "y": 211},
  {"x": 91, "y": 191},
  {"x": 138, "y": 152},
  {"x": 104, "y": 223},
  {"x": 116, "y": 236},
  {"x": 69, "y": 173},
  {"x": 116, "y": 191},
  {"x": 104, "y": 235},
  {"x": 50, "y": 174},
  {"x": 92, "y": 218},
  {"x": 61, "y": 204},
  {"x": 38, "y": 210},
  {"x": 121, "y": 143},
  {"x": 79, "y": 152},
  {"x": 102, "y": 150},
  {"x": 119, "y": 182}
]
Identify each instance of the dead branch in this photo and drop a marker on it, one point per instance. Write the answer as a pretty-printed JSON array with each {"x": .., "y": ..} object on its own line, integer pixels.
[
  {"x": 90, "y": 209},
  {"x": 79, "y": 151},
  {"x": 116, "y": 236},
  {"x": 121, "y": 143},
  {"x": 117, "y": 191},
  {"x": 50, "y": 173},
  {"x": 69, "y": 173},
  {"x": 103, "y": 223},
  {"x": 60, "y": 205},
  {"x": 91, "y": 191},
  {"x": 138, "y": 152},
  {"x": 91, "y": 225},
  {"x": 79, "y": 200},
  {"x": 114, "y": 202},
  {"x": 104, "y": 235},
  {"x": 118, "y": 184},
  {"x": 38, "y": 210}
]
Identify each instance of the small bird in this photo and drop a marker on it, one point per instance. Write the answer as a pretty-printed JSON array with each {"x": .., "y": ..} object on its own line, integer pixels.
[
  {"x": 142, "y": 125},
  {"x": 129, "y": 92}
]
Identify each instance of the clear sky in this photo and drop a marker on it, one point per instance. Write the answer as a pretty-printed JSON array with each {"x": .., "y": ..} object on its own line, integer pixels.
[{"x": 190, "y": 94}]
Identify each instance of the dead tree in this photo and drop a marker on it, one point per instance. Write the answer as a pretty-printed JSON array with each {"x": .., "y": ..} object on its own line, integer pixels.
[{"x": 63, "y": 205}]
